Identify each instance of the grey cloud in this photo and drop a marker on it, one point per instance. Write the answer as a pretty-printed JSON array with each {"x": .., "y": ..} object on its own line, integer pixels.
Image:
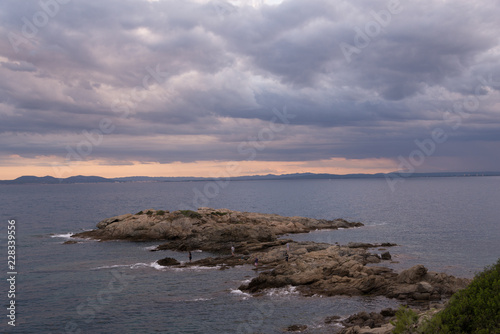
[
  {"x": 238, "y": 63},
  {"x": 21, "y": 66}
]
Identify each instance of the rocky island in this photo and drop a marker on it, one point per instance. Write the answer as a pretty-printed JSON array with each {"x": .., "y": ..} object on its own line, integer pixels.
[{"x": 313, "y": 268}]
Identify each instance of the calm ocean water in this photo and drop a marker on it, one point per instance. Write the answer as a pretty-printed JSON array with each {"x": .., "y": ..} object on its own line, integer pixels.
[{"x": 447, "y": 224}]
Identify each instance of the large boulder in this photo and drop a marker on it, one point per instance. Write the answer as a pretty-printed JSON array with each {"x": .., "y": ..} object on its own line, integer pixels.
[{"x": 412, "y": 275}]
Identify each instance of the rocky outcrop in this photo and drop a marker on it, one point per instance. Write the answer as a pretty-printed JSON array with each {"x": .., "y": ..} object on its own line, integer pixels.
[
  {"x": 314, "y": 268},
  {"x": 338, "y": 270},
  {"x": 207, "y": 229},
  {"x": 371, "y": 320},
  {"x": 379, "y": 323}
]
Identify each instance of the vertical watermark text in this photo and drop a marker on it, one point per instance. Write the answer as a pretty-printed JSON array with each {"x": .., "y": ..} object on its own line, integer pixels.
[{"x": 11, "y": 273}]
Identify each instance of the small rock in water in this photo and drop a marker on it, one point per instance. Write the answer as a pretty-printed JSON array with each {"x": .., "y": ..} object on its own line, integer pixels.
[
  {"x": 386, "y": 256},
  {"x": 296, "y": 328},
  {"x": 168, "y": 261},
  {"x": 333, "y": 318}
]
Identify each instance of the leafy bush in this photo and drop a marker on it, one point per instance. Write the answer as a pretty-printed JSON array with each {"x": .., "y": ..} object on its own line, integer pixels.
[
  {"x": 149, "y": 213},
  {"x": 140, "y": 213},
  {"x": 475, "y": 309},
  {"x": 190, "y": 213},
  {"x": 218, "y": 213},
  {"x": 406, "y": 321},
  {"x": 160, "y": 212}
]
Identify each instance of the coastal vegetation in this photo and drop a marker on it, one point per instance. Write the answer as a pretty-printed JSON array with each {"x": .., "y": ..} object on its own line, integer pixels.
[
  {"x": 190, "y": 213},
  {"x": 475, "y": 309},
  {"x": 406, "y": 320}
]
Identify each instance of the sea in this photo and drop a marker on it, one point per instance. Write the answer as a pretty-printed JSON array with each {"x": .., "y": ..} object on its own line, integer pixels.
[{"x": 449, "y": 224}]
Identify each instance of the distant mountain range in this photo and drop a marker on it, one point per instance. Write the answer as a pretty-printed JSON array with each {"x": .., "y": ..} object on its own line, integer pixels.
[
  {"x": 297, "y": 176},
  {"x": 53, "y": 180}
]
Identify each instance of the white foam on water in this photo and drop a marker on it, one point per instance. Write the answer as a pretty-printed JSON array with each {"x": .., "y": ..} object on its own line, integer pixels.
[
  {"x": 131, "y": 266},
  {"x": 151, "y": 247},
  {"x": 278, "y": 292},
  {"x": 195, "y": 268},
  {"x": 240, "y": 293},
  {"x": 376, "y": 224},
  {"x": 198, "y": 300},
  {"x": 156, "y": 266},
  {"x": 141, "y": 265},
  {"x": 64, "y": 235},
  {"x": 110, "y": 267}
]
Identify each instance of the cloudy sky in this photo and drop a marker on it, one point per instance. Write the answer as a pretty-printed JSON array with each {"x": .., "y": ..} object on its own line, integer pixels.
[{"x": 206, "y": 88}]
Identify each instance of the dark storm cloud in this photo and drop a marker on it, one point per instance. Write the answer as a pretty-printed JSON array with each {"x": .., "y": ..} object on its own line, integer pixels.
[{"x": 217, "y": 70}]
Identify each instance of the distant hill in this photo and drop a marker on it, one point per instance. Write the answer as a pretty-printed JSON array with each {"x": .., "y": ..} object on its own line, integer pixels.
[
  {"x": 53, "y": 180},
  {"x": 33, "y": 179},
  {"x": 86, "y": 179},
  {"x": 296, "y": 176}
]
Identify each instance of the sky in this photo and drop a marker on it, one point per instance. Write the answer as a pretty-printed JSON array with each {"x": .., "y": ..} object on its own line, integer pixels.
[{"x": 227, "y": 88}]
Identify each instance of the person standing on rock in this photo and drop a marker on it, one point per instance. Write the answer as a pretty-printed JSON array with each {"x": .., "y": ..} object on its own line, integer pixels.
[
  {"x": 232, "y": 250},
  {"x": 286, "y": 256},
  {"x": 256, "y": 263},
  {"x": 190, "y": 256}
]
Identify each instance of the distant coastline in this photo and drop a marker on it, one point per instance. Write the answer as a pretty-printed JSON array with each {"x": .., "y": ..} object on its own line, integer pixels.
[{"x": 297, "y": 176}]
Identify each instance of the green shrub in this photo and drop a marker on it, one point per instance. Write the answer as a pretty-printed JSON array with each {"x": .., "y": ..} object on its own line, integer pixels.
[
  {"x": 218, "y": 213},
  {"x": 140, "y": 213},
  {"x": 149, "y": 213},
  {"x": 406, "y": 321},
  {"x": 475, "y": 309},
  {"x": 190, "y": 213},
  {"x": 160, "y": 212}
]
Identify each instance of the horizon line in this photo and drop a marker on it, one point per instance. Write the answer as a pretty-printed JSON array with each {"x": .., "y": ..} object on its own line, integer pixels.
[{"x": 257, "y": 175}]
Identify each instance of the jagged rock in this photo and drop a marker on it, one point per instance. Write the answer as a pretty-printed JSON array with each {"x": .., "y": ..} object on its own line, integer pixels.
[
  {"x": 333, "y": 318},
  {"x": 412, "y": 275},
  {"x": 359, "y": 245},
  {"x": 386, "y": 256},
  {"x": 106, "y": 222},
  {"x": 327, "y": 272},
  {"x": 296, "y": 328},
  {"x": 168, "y": 261}
]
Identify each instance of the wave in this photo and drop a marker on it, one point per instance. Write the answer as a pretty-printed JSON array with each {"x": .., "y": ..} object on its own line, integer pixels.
[
  {"x": 279, "y": 292},
  {"x": 198, "y": 300},
  {"x": 110, "y": 267},
  {"x": 240, "y": 293},
  {"x": 192, "y": 268},
  {"x": 156, "y": 266},
  {"x": 64, "y": 235},
  {"x": 131, "y": 266},
  {"x": 376, "y": 224},
  {"x": 69, "y": 235},
  {"x": 150, "y": 248}
]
